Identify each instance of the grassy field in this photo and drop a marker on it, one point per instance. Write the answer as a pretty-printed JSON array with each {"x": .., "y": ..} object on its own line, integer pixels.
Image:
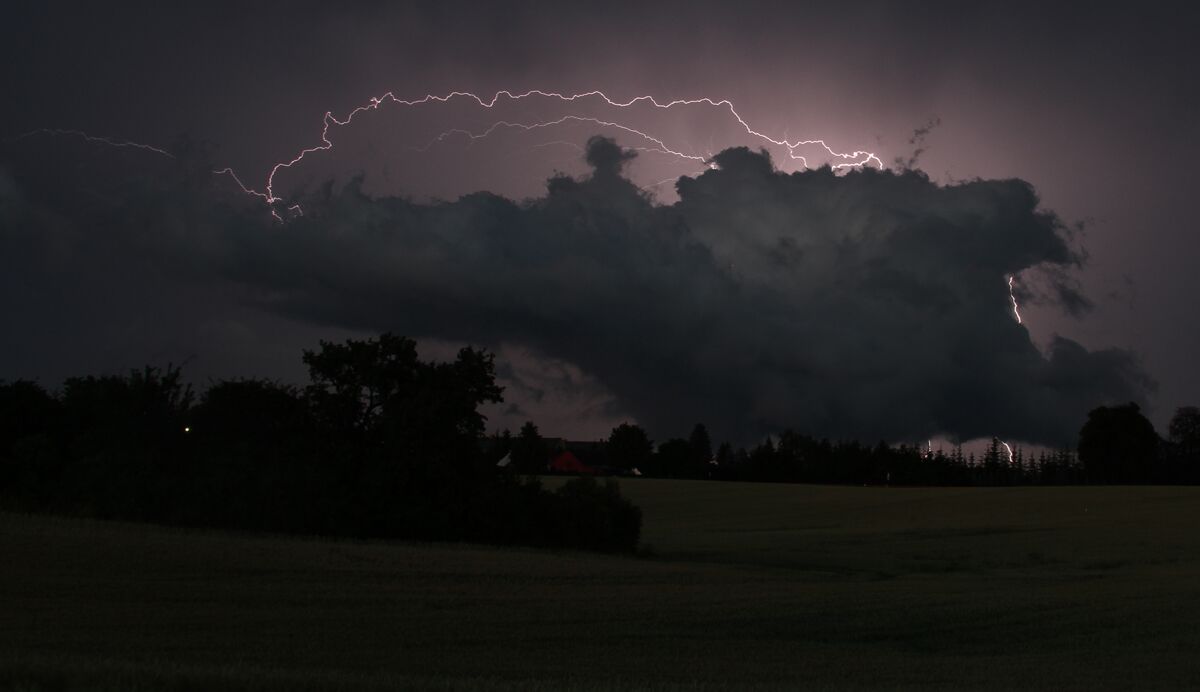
[{"x": 764, "y": 587}]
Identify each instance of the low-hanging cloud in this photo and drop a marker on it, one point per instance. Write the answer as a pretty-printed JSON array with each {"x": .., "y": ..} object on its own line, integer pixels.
[{"x": 869, "y": 304}]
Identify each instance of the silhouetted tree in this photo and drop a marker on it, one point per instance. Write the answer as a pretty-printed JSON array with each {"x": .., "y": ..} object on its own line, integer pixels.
[
  {"x": 1184, "y": 431},
  {"x": 405, "y": 435},
  {"x": 1117, "y": 444},
  {"x": 761, "y": 464},
  {"x": 253, "y": 413},
  {"x": 121, "y": 435},
  {"x": 702, "y": 452},
  {"x": 529, "y": 451},
  {"x": 25, "y": 409},
  {"x": 629, "y": 447},
  {"x": 724, "y": 455},
  {"x": 675, "y": 459},
  {"x": 351, "y": 383},
  {"x": 254, "y": 467},
  {"x": 993, "y": 458},
  {"x": 379, "y": 387},
  {"x": 29, "y": 445}
]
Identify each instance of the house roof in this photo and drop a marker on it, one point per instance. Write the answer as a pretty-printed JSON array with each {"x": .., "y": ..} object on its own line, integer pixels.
[{"x": 566, "y": 462}]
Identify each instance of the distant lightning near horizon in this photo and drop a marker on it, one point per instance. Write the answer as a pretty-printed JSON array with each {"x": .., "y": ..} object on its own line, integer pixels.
[
  {"x": 1009, "y": 449},
  {"x": 1016, "y": 309}
]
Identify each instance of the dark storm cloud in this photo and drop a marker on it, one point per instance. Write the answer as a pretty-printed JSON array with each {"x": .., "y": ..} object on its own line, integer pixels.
[
  {"x": 1089, "y": 101},
  {"x": 871, "y": 304}
]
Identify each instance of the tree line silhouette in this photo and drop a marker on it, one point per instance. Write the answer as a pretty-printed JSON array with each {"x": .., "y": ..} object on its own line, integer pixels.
[
  {"x": 379, "y": 444},
  {"x": 1116, "y": 445}
]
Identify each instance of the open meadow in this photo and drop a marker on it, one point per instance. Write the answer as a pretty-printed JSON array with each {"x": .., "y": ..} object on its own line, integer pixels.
[{"x": 749, "y": 586}]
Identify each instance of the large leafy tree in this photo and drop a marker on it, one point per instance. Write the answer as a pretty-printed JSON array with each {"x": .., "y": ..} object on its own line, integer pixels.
[
  {"x": 353, "y": 382},
  {"x": 1118, "y": 444},
  {"x": 380, "y": 390},
  {"x": 1185, "y": 429},
  {"x": 629, "y": 447},
  {"x": 404, "y": 434},
  {"x": 1185, "y": 442},
  {"x": 377, "y": 395}
]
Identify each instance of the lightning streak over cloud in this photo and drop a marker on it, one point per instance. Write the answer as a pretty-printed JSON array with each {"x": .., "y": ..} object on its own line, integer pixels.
[
  {"x": 856, "y": 158},
  {"x": 1013, "y": 297},
  {"x": 852, "y": 159}
]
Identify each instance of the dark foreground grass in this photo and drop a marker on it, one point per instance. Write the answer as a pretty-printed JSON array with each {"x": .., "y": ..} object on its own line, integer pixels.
[{"x": 762, "y": 587}]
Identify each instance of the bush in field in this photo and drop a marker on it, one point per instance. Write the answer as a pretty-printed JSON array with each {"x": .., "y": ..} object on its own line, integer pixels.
[{"x": 586, "y": 514}]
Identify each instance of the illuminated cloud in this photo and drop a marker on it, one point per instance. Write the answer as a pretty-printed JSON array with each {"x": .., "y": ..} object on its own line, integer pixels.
[{"x": 867, "y": 304}]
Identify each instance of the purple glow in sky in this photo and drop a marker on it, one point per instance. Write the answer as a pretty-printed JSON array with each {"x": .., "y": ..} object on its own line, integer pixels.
[{"x": 1093, "y": 107}]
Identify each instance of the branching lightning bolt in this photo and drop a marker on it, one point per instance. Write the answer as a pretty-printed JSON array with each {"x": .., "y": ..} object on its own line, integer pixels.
[
  {"x": 853, "y": 159},
  {"x": 858, "y": 158}
]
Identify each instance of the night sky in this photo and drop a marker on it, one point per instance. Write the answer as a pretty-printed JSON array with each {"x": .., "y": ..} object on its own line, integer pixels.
[{"x": 1053, "y": 145}]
